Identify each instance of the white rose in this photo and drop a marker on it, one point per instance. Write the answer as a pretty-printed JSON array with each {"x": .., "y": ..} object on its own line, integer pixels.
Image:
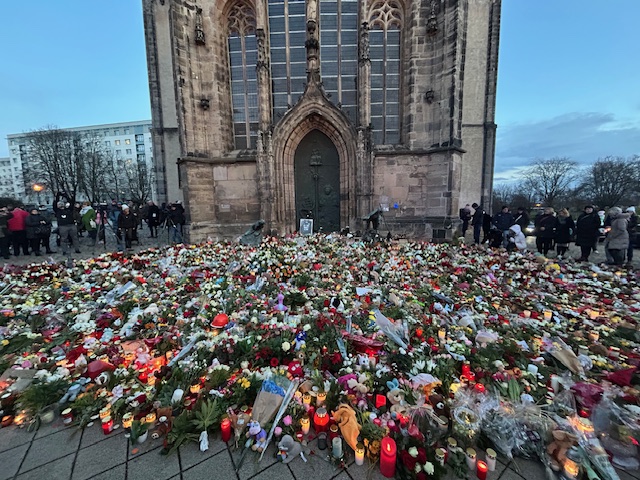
[
  {"x": 428, "y": 468},
  {"x": 413, "y": 451},
  {"x": 286, "y": 346}
]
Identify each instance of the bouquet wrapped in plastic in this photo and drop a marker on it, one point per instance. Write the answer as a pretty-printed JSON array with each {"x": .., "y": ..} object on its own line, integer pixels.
[{"x": 618, "y": 428}]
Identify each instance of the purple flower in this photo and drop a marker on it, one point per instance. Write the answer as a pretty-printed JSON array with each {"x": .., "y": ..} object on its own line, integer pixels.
[{"x": 287, "y": 420}]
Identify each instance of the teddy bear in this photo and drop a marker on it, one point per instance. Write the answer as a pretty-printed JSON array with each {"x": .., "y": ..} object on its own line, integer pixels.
[
  {"x": 165, "y": 420},
  {"x": 557, "y": 450},
  {"x": 289, "y": 449},
  {"x": 396, "y": 397},
  {"x": 357, "y": 384},
  {"x": 259, "y": 436}
]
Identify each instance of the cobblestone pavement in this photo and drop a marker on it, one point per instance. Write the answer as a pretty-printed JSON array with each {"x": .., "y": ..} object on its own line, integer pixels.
[{"x": 56, "y": 452}]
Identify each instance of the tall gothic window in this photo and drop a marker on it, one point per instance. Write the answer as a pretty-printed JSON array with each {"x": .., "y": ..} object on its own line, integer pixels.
[
  {"x": 339, "y": 52},
  {"x": 243, "y": 56},
  {"x": 287, "y": 34},
  {"x": 386, "y": 22}
]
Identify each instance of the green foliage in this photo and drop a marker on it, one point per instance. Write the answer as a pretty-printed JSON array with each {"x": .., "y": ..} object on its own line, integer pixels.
[
  {"x": 209, "y": 415},
  {"x": 137, "y": 430},
  {"x": 41, "y": 394},
  {"x": 85, "y": 406},
  {"x": 18, "y": 344},
  {"x": 370, "y": 430},
  {"x": 183, "y": 430}
]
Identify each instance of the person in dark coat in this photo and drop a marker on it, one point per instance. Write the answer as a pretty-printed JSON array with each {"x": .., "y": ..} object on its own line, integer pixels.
[
  {"x": 67, "y": 228},
  {"x": 476, "y": 222},
  {"x": 153, "y": 218},
  {"x": 565, "y": 230},
  {"x": 37, "y": 227},
  {"x": 522, "y": 219},
  {"x": 632, "y": 228},
  {"x": 503, "y": 221},
  {"x": 5, "y": 216},
  {"x": 486, "y": 227},
  {"x": 127, "y": 225},
  {"x": 175, "y": 222},
  {"x": 465, "y": 216},
  {"x": 546, "y": 224},
  {"x": 587, "y": 232}
]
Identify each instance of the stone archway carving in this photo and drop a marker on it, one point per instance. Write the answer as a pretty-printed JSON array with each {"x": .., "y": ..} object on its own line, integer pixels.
[{"x": 314, "y": 113}]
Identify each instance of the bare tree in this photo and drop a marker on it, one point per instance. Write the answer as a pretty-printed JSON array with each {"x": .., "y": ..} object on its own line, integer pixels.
[
  {"x": 610, "y": 181},
  {"x": 54, "y": 160},
  {"x": 513, "y": 195},
  {"x": 551, "y": 180},
  {"x": 95, "y": 167},
  {"x": 139, "y": 180}
]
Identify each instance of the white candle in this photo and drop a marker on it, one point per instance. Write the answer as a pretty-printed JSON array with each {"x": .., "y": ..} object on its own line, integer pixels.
[
  {"x": 471, "y": 459},
  {"x": 359, "y": 454},
  {"x": 491, "y": 459},
  {"x": 548, "y": 314},
  {"x": 555, "y": 383},
  {"x": 336, "y": 447},
  {"x": 531, "y": 368},
  {"x": 526, "y": 313}
]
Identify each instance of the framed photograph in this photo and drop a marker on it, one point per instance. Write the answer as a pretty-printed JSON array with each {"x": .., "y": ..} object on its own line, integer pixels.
[{"x": 306, "y": 226}]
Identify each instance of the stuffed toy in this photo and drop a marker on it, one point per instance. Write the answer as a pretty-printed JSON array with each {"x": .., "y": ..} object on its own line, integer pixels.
[
  {"x": 557, "y": 450},
  {"x": 345, "y": 417},
  {"x": 396, "y": 397},
  {"x": 289, "y": 449},
  {"x": 357, "y": 385},
  {"x": 165, "y": 420},
  {"x": 259, "y": 436}
]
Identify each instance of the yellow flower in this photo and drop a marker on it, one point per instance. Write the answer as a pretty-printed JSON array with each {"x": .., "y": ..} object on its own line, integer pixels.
[{"x": 4, "y": 342}]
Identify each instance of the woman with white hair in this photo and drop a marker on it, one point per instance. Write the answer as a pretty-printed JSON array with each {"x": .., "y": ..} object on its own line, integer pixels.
[{"x": 617, "y": 241}]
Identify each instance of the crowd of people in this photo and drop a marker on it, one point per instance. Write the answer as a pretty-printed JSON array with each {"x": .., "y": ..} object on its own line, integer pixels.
[
  {"x": 617, "y": 229},
  {"x": 29, "y": 231}
]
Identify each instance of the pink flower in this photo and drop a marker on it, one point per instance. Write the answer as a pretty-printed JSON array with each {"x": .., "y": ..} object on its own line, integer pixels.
[
  {"x": 278, "y": 431},
  {"x": 287, "y": 420}
]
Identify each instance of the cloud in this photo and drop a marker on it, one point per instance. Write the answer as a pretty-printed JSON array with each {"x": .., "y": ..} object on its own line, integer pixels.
[{"x": 583, "y": 137}]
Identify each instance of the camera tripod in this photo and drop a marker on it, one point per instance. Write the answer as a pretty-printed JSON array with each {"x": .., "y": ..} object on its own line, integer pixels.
[{"x": 103, "y": 226}]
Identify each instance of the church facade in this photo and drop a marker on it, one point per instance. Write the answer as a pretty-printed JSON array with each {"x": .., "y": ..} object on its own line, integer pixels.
[{"x": 327, "y": 110}]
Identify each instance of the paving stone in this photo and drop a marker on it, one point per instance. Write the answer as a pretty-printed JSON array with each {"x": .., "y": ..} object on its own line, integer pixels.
[
  {"x": 11, "y": 437},
  {"x": 51, "y": 447},
  {"x": 251, "y": 466},
  {"x": 93, "y": 434},
  {"x": 509, "y": 474},
  {"x": 142, "y": 448},
  {"x": 368, "y": 471},
  {"x": 529, "y": 469},
  {"x": 314, "y": 467},
  {"x": 277, "y": 471},
  {"x": 100, "y": 457},
  {"x": 219, "y": 466},
  {"x": 154, "y": 466},
  {"x": 56, "y": 426},
  {"x": 10, "y": 461},
  {"x": 116, "y": 473},
  {"x": 627, "y": 474},
  {"x": 57, "y": 470},
  {"x": 191, "y": 455},
  {"x": 342, "y": 476}
]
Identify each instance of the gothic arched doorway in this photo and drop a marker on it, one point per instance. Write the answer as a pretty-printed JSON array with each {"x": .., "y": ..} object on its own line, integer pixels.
[{"x": 317, "y": 177}]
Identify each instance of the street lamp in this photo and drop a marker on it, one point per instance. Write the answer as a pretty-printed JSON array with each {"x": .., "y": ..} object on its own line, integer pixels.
[{"x": 38, "y": 188}]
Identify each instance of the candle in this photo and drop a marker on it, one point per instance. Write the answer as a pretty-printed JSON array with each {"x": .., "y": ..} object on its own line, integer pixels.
[
  {"x": 321, "y": 420},
  {"x": 466, "y": 369},
  {"x": 594, "y": 336},
  {"x": 336, "y": 448},
  {"x": 531, "y": 368},
  {"x": 491, "y": 459},
  {"x": 555, "y": 383},
  {"x": 381, "y": 401},
  {"x": 225, "y": 428},
  {"x": 471, "y": 459},
  {"x": 195, "y": 389},
  {"x": 548, "y": 314},
  {"x": 442, "y": 335},
  {"x": 20, "y": 418},
  {"x": 359, "y": 454},
  {"x": 372, "y": 361},
  {"x": 322, "y": 441},
  {"x": 306, "y": 398},
  {"x": 105, "y": 412},
  {"x": 320, "y": 398},
  {"x": 452, "y": 445},
  {"x": 150, "y": 418},
  {"x": 107, "y": 425},
  {"x": 388, "y": 457},
  {"x": 593, "y": 314},
  {"x": 67, "y": 416},
  {"x": 7, "y": 420},
  {"x": 441, "y": 455},
  {"x": 127, "y": 420},
  {"x": 305, "y": 422},
  {"x": 333, "y": 431},
  {"x": 526, "y": 314},
  {"x": 481, "y": 471}
]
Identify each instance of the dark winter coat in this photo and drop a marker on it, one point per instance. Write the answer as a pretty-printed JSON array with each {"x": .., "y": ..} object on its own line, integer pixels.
[
  {"x": 565, "y": 230},
  {"x": 4, "y": 229},
  {"x": 127, "y": 220},
  {"x": 587, "y": 229},
  {"x": 37, "y": 226},
  {"x": 503, "y": 220},
  {"x": 177, "y": 216},
  {"x": 478, "y": 216},
  {"x": 632, "y": 228},
  {"x": 153, "y": 215},
  {"x": 547, "y": 221},
  {"x": 522, "y": 219}
]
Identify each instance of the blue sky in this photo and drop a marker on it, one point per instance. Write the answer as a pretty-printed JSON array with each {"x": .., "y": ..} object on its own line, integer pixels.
[{"x": 568, "y": 74}]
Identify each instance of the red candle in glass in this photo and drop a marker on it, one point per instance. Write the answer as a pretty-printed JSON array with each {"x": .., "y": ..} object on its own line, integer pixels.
[
  {"x": 321, "y": 420},
  {"x": 143, "y": 377},
  {"x": 107, "y": 425},
  {"x": 466, "y": 369},
  {"x": 481, "y": 470},
  {"x": 388, "y": 457},
  {"x": 225, "y": 428},
  {"x": 381, "y": 401}
]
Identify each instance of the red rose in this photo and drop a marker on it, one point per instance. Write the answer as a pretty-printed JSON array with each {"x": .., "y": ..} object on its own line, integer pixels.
[
  {"x": 408, "y": 461},
  {"x": 422, "y": 455},
  {"x": 421, "y": 476},
  {"x": 274, "y": 362}
]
